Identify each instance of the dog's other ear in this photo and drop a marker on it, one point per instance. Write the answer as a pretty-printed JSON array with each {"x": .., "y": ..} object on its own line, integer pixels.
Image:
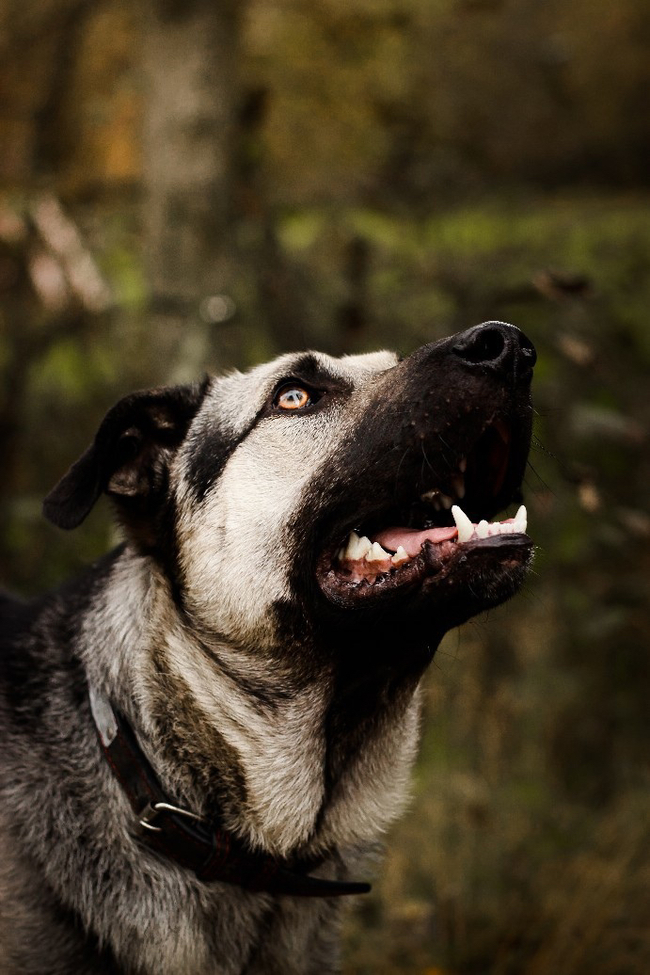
[{"x": 129, "y": 457}]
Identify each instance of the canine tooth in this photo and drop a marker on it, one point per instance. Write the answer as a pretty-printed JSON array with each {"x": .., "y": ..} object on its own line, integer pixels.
[
  {"x": 446, "y": 501},
  {"x": 400, "y": 557},
  {"x": 376, "y": 553},
  {"x": 458, "y": 483},
  {"x": 462, "y": 464},
  {"x": 463, "y": 524},
  {"x": 483, "y": 529},
  {"x": 521, "y": 520}
]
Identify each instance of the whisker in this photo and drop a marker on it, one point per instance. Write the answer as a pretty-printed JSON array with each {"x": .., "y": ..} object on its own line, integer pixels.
[{"x": 540, "y": 479}]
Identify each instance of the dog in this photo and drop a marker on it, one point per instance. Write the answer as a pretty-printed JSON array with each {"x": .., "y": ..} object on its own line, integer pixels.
[{"x": 206, "y": 735}]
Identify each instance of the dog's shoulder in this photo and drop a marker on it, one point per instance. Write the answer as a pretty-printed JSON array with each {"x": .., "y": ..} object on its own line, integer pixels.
[{"x": 38, "y": 636}]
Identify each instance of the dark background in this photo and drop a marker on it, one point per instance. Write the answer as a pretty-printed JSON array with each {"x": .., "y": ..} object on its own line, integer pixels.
[{"x": 199, "y": 184}]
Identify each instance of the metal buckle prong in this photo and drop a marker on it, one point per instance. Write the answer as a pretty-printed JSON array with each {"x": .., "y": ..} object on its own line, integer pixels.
[{"x": 152, "y": 810}]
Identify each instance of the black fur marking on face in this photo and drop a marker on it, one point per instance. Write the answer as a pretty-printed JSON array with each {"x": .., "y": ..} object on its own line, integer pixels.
[{"x": 210, "y": 454}]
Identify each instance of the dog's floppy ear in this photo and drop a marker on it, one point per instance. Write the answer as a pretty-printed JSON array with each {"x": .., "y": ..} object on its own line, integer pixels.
[{"x": 129, "y": 456}]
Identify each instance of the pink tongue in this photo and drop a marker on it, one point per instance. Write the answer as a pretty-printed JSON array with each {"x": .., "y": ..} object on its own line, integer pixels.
[{"x": 411, "y": 539}]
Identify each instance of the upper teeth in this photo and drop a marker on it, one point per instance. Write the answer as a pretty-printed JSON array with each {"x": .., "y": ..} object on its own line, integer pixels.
[
  {"x": 483, "y": 530},
  {"x": 521, "y": 520},
  {"x": 358, "y": 548},
  {"x": 463, "y": 524}
]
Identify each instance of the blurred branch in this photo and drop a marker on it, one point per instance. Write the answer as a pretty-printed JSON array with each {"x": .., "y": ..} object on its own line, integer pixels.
[{"x": 69, "y": 266}]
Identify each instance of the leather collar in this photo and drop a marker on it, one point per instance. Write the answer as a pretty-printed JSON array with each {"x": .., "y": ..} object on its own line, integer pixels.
[{"x": 178, "y": 834}]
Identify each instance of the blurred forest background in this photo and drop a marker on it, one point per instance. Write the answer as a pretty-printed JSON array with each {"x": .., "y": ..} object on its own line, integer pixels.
[{"x": 191, "y": 185}]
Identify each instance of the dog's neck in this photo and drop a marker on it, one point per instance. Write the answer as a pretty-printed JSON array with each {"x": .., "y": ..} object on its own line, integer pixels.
[{"x": 262, "y": 759}]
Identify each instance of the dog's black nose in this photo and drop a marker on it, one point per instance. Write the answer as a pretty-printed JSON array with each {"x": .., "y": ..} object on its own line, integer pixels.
[{"x": 497, "y": 346}]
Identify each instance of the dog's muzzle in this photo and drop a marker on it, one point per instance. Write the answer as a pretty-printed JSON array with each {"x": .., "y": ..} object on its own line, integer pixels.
[{"x": 446, "y": 443}]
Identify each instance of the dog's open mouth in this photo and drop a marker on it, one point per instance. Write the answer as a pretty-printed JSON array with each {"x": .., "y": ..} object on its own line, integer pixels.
[
  {"x": 363, "y": 560},
  {"x": 440, "y": 533}
]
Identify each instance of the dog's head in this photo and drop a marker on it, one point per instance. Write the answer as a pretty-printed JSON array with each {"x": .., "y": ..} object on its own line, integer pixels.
[{"x": 321, "y": 496}]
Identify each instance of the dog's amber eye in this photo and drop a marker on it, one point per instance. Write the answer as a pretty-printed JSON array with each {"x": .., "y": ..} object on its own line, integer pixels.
[{"x": 293, "y": 398}]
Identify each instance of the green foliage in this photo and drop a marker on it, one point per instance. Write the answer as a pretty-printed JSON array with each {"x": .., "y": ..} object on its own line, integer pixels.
[
  {"x": 522, "y": 850},
  {"x": 414, "y": 101}
]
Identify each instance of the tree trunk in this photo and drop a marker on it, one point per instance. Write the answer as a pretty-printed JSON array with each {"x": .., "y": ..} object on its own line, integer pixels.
[{"x": 191, "y": 55}]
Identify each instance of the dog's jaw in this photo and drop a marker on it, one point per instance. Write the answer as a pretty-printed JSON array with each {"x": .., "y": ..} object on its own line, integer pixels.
[{"x": 413, "y": 546}]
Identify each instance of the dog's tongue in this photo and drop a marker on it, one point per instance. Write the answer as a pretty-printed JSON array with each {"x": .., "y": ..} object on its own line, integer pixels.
[{"x": 411, "y": 539}]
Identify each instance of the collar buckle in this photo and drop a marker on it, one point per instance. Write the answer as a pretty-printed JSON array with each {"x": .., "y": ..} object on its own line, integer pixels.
[{"x": 153, "y": 810}]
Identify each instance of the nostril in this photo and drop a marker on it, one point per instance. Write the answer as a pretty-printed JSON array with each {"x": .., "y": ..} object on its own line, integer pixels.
[
  {"x": 485, "y": 345},
  {"x": 498, "y": 347}
]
